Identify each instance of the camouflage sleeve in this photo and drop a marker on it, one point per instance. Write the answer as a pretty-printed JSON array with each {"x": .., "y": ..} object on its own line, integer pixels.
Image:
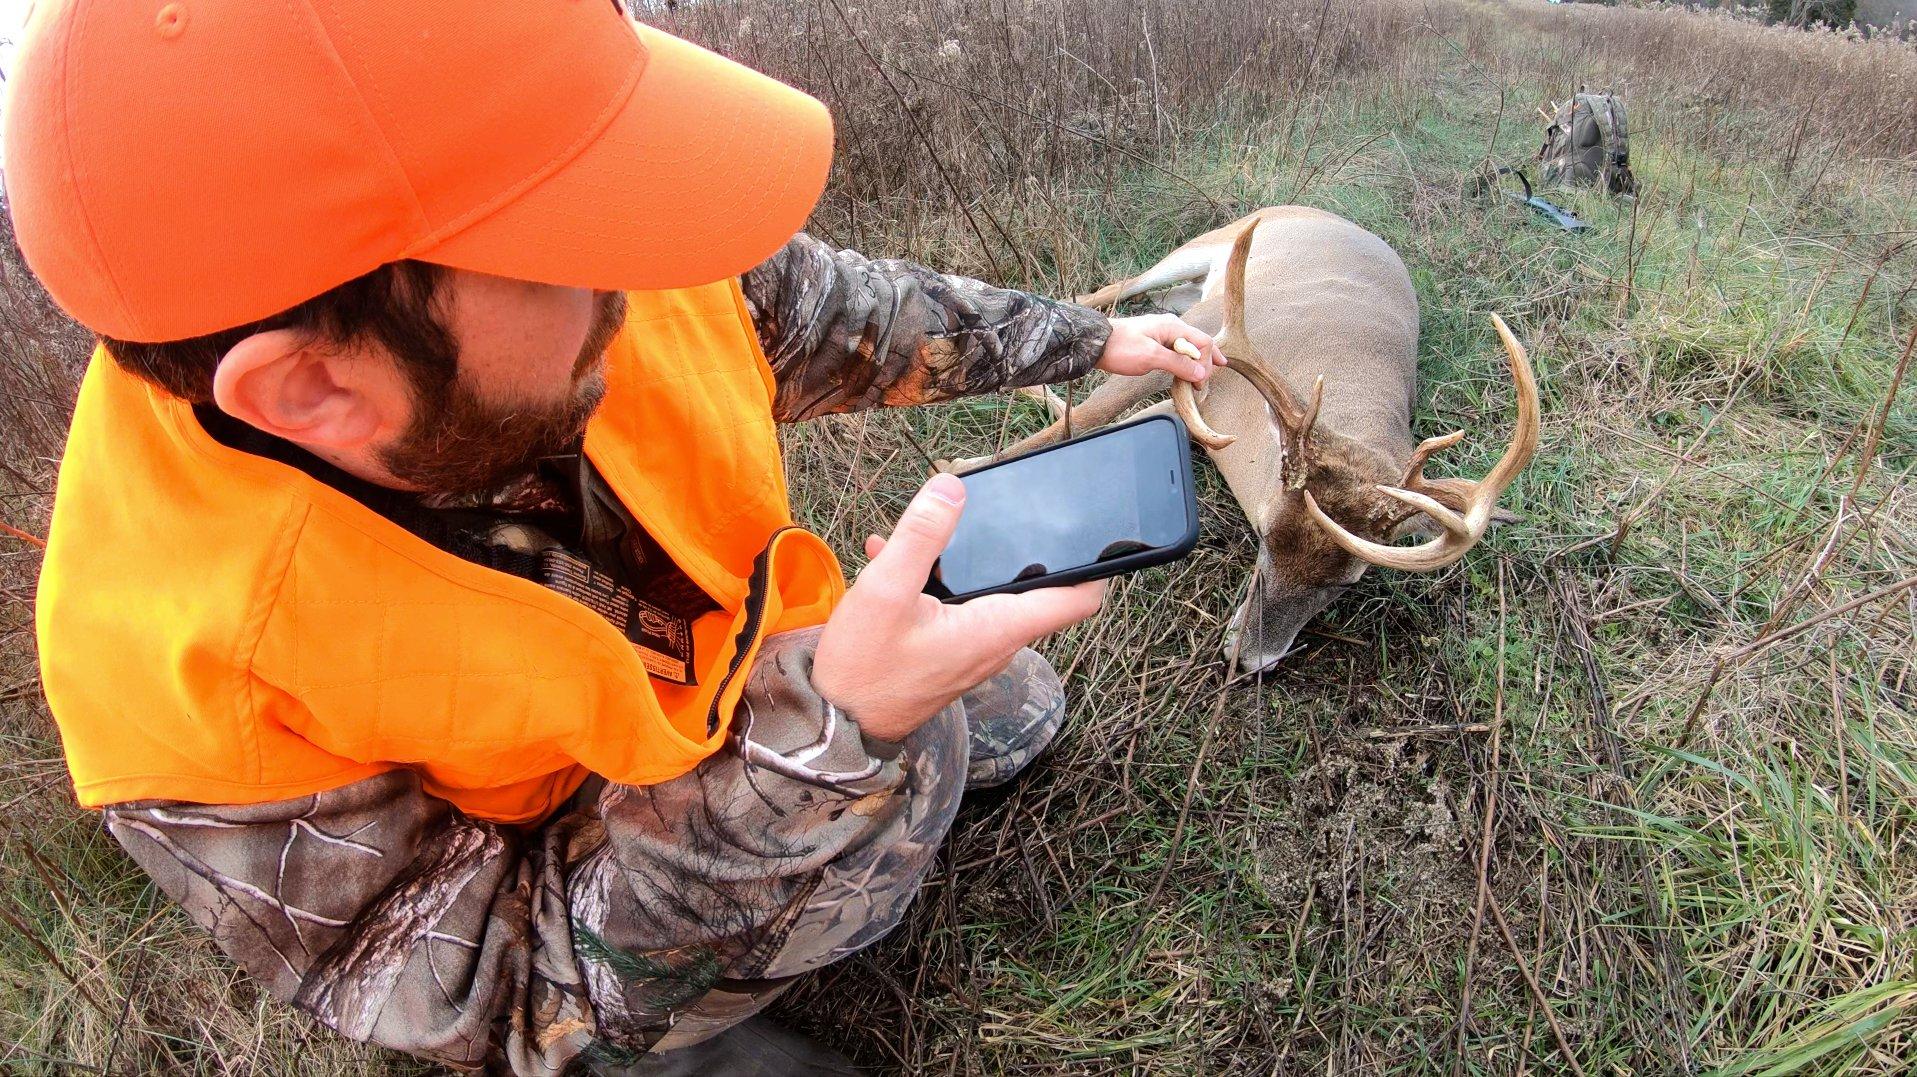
[
  {"x": 639, "y": 914},
  {"x": 845, "y": 332}
]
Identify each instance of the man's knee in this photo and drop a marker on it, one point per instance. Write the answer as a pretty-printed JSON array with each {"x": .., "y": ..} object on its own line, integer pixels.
[
  {"x": 861, "y": 895},
  {"x": 798, "y": 843},
  {"x": 1011, "y": 718}
]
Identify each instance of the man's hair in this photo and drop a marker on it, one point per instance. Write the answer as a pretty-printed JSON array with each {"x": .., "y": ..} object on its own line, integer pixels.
[{"x": 393, "y": 306}]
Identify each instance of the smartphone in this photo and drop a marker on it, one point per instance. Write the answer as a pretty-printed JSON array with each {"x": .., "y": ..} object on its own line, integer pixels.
[{"x": 1113, "y": 501}]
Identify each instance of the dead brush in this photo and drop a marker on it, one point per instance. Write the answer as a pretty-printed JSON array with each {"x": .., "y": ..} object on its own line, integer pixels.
[
  {"x": 1034, "y": 94},
  {"x": 1815, "y": 92}
]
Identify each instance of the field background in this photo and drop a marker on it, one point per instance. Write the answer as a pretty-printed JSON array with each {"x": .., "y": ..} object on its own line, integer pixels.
[{"x": 1683, "y": 837}]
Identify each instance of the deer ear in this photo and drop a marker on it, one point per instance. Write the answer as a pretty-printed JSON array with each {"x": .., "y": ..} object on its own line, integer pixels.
[{"x": 1416, "y": 525}]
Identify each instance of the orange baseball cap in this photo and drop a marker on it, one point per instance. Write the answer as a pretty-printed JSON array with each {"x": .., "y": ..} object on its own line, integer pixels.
[{"x": 177, "y": 167}]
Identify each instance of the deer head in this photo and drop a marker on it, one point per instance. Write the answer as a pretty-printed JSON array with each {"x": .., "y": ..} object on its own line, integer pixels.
[{"x": 1340, "y": 503}]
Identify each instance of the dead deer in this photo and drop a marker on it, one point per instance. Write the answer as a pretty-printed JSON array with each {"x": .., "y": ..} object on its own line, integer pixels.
[{"x": 1310, "y": 424}]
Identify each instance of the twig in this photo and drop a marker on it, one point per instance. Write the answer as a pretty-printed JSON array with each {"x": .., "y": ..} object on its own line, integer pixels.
[
  {"x": 1118, "y": 148},
  {"x": 16, "y": 1050},
  {"x": 1819, "y": 561},
  {"x": 1184, "y": 810},
  {"x": 1428, "y": 730},
  {"x": 1812, "y": 622},
  {"x": 1102, "y": 817},
  {"x": 1863, "y": 295},
  {"x": 1497, "y": 126},
  {"x": 14, "y": 532},
  {"x": 1634, "y": 249},
  {"x": 1531, "y": 981},
  {"x": 1883, "y": 414},
  {"x": 931, "y": 151},
  {"x": 53, "y": 959},
  {"x": 1577, "y": 634},
  {"x": 1484, "y": 835},
  {"x": 1839, "y": 734},
  {"x": 1191, "y": 779},
  {"x": 1629, "y": 518},
  {"x": 1724, "y": 664},
  {"x": 126, "y": 1006}
]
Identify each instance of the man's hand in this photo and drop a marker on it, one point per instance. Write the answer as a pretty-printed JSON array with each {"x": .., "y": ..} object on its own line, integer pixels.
[
  {"x": 892, "y": 656},
  {"x": 1143, "y": 344}
]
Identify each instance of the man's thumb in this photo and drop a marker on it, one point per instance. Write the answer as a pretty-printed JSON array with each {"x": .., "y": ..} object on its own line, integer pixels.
[{"x": 921, "y": 533}]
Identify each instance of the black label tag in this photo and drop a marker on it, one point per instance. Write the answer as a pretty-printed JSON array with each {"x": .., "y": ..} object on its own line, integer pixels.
[
  {"x": 662, "y": 638},
  {"x": 664, "y": 642}
]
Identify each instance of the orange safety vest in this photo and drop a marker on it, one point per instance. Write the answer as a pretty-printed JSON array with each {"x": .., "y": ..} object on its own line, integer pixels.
[{"x": 217, "y": 627}]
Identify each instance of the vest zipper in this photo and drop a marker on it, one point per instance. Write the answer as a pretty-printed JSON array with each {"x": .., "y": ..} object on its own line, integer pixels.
[{"x": 757, "y": 587}]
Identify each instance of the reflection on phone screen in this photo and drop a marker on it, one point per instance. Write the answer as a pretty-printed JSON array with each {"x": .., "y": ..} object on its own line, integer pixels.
[{"x": 1077, "y": 505}]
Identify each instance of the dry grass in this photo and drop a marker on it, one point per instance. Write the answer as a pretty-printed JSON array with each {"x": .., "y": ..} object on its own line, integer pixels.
[
  {"x": 1729, "y": 86},
  {"x": 1688, "y": 840}
]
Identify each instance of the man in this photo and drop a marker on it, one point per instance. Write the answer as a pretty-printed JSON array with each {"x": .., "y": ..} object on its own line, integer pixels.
[{"x": 470, "y": 726}]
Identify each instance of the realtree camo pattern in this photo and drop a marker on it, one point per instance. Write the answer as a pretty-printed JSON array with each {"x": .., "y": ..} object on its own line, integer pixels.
[
  {"x": 643, "y": 918},
  {"x": 1588, "y": 145},
  {"x": 845, "y": 332}
]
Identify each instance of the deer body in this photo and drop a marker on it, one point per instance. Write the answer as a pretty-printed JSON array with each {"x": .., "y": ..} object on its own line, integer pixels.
[
  {"x": 1323, "y": 297},
  {"x": 1308, "y": 306}
]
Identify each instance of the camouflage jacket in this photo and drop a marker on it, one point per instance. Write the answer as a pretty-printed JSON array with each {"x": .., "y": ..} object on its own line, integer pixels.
[
  {"x": 845, "y": 332},
  {"x": 391, "y": 917}
]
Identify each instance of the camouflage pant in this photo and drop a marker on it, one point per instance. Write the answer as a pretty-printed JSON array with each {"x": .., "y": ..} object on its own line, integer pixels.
[{"x": 642, "y": 919}]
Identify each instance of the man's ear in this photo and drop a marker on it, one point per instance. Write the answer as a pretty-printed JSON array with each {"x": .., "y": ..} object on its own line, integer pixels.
[{"x": 286, "y": 384}]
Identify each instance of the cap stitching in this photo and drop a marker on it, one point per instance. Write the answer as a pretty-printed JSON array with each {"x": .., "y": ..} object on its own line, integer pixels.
[
  {"x": 393, "y": 158},
  {"x": 68, "y": 65},
  {"x": 538, "y": 175}
]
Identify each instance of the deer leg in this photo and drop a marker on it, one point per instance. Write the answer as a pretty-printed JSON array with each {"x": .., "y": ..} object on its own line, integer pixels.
[
  {"x": 1107, "y": 403},
  {"x": 1182, "y": 266},
  {"x": 1163, "y": 407},
  {"x": 1044, "y": 393}
]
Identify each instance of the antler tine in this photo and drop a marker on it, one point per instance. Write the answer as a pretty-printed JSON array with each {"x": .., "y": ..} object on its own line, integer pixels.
[
  {"x": 1480, "y": 499},
  {"x": 1524, "y": 440},
  {"x": 1234, "y": 336},
  {"x": 1310, "y": 418},
  {"x": 1236, "y": 344},
  {"x": 1186, "y": 402},
  {"x": 1430, "y": 506},
  {"x": 1414, "y": 471}
]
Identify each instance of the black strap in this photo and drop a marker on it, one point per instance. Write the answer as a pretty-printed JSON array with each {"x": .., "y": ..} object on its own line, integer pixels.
[{"x": 1508, "y": 170}]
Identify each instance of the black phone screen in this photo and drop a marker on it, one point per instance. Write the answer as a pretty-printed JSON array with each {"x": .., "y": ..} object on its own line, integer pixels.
[{"x": 1074, "y": 506}]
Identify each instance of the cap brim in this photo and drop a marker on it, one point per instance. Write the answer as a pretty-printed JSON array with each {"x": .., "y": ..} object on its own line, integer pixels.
[{"x": 705, "y": 172}]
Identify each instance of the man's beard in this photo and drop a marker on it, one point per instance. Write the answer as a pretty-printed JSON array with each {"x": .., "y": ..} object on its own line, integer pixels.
[{"x": 459, "y": 443}]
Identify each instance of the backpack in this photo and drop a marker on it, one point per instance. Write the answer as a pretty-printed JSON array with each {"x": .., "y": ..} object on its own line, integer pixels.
[{"x": 1587, "y": 145}]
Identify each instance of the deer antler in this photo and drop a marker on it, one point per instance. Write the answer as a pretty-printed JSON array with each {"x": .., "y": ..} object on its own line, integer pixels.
[
  {"x": 1236, "y": 344},
  {"x": 1186, "y": 403},
  {"x": 1461, "y": 530}
]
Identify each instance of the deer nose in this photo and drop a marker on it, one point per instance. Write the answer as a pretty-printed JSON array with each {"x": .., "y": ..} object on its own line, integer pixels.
[{"x": 1260, "y": 659}]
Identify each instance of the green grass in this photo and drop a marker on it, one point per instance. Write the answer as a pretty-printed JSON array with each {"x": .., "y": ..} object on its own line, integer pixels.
[{"x": 1707, "y": 865}]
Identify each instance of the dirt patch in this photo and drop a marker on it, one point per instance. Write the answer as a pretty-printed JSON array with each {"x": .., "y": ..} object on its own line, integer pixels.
[{"x": 1377, "y": 831}]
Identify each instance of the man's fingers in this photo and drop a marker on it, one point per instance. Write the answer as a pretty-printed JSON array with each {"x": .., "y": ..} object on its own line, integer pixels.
[
  {"x": 904, "y": 561},
  {"x": 1019, "y": 619},
  {"x": 1199, "y": 368},
  {"x": 1197, "y": 336},
  {"x": 1207, "y": 347},
  {"x": 873, "y": 544}
]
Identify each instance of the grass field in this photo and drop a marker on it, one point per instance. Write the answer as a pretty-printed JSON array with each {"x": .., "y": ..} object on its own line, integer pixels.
[{"x": 1684, "y": 838}]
